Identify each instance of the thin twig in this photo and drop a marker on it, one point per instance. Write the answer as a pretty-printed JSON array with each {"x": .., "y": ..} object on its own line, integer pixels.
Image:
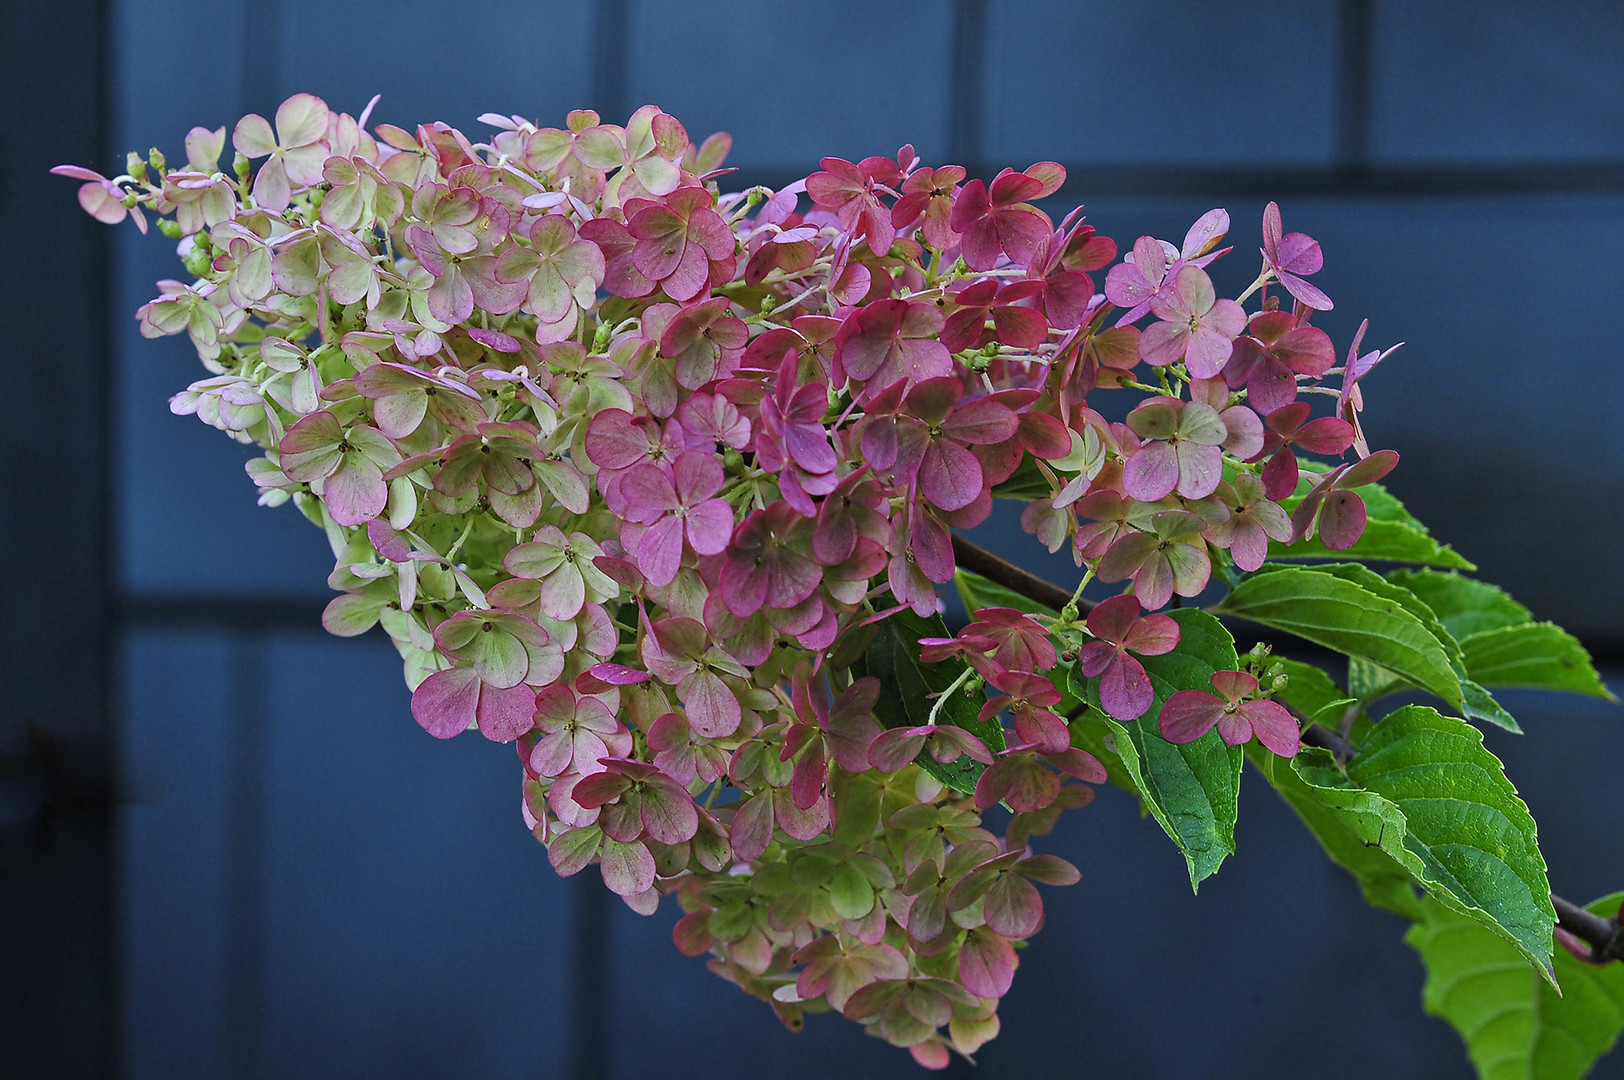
[
  {"x": 978, "y": 560},
  {"x": 1602, "y": 935}
]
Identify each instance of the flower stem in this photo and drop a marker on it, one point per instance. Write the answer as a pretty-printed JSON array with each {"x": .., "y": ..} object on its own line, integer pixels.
[{"x": 941, "y": 698}]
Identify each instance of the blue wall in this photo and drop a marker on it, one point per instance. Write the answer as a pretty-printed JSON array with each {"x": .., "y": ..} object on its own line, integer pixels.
[{"x": 311, "y": 886}]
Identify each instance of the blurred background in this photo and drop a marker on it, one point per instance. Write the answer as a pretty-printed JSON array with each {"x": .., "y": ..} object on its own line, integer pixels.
[{"x": 227, "y": 851}]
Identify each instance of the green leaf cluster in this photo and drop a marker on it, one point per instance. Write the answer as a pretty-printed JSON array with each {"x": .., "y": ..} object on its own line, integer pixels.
[
  {"x": 1516, "y": 1025},
  {"x": 910, "y": 688}
]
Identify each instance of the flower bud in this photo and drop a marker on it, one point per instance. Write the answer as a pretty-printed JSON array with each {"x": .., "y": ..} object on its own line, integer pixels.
[
  {"x": 241, "y": 167},
  {"x": 197, "y": 260},
  {"x": 170, "y": 228},
  {"x": 156, "y": 157}
]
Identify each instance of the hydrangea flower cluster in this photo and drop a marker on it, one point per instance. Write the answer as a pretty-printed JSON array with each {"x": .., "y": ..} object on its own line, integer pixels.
[{"x": 633, "y": 471}]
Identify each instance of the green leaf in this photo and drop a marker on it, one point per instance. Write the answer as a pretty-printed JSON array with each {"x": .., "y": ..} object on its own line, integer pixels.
[
  {"x": 1026, "y": 483},
  {"x": 1362, "y": 832},
  {"x": 1369, "y": 682},
  {"x": 850, "y": 893},
  {"x": 1376, "y": 624},
  {"x": 1392, "y": 534},
  {"x": 1515, "y": 1024},
  {"x": 1307, "y": 687},
  {"x": 1091, "y": 731},
  {"x": 909, "y": 688},
  {"x": 1191, "y": 790},
  {"x": 1539, "y": 655},
  {"x": 1464, "y": 605},
  {"x": 976, "y": 592},
  {"x": 1461, "y": 830},
  {"x": 1480, "y": 705}
]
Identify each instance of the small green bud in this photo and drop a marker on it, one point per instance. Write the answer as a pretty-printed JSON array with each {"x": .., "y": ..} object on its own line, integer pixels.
[
  {"x": 768, "y": 303},
  {"x": 198, "y": 262},
  {"x": 170, "y": 228},
  {"x": 133, "y": 163},
  {"x": 156, "y": 156},
  {"x": 240, "y": 165},
  {"x": 601, "y": 336},
  {"x": 129, "y": 201}
]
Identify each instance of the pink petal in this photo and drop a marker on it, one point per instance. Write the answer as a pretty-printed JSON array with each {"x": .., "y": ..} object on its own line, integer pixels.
[
  {"x": 986, "y": 964},
  {"x": 1125, "y": 690},
  {"x": 1151, "y": 473},
  {"x": 628, "y": 869},
  {"x": 504, "y": 715},
  {"x": 659, "y": 550},
  {"x": 752, "y": 828},
  {"x": 713, "y": 711},
  {"x": 1189, "y": 714},
  {"x": 1273, "y": 726},
  {"x": 1342, "y": 521},
  {"x": 356, "y": 492},
  {"x": 1013, "y": 908},
  {"x": 1113, "y": 619},
  {"x": 1153, "y": 635},
  {"x": 1233, "y": 685},
  {"x": 443, "y": 704},
  {"x": 710, "y": 526},
  {"x": 669, "y": 814},
  {"x": 950, "y": 475}
]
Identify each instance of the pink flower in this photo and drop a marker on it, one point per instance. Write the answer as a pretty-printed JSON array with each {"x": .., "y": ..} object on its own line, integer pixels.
[
  {"x": 1183, "y": 452},
  {"x": 928, "y": 193},
  {"x": 999, "y": 220},
  {"x": 1333, "y": 505},
  {"x": 297, "y": 149},
  {"x": 577, "y": 731},
  {"x": 682, "y": 243},
  {"x": 637, "y": 801},
  {"x": 1013, "y": 325},
  {"x": 1291, "y": 257},
  {"x": 1237, "y": 713},
  {"x": 1196, "y": 325},
  {"x": 349, "y": 464},
  {"x": 892, "y": 340},
  {"x": 768, "y": 563},
  {"x": 1171, "y": 557},
  {"x": 1290, "y": 426},
  {"x": 851, "y": 192},
  {"x": 675, "y": 508},
  {"x": 1270, "y": 356},
  {"x": 1028, "y": 698},
  {"x": 1125, "y": 690}
]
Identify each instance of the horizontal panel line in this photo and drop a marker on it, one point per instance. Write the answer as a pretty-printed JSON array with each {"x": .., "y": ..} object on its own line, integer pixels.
[{"x": 1098, "y": 181}]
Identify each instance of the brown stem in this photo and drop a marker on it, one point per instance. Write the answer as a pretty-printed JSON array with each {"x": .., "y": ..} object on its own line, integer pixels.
[
  {"x": 1321, "y": 736},
  {"x": 1604, "y": 936},
  {"x": 978, "y": 560}
]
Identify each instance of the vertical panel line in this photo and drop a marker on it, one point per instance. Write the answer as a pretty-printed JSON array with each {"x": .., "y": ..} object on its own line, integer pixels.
[
  {"x": 968, "y": 87},
  {"x": 610, "y": 74},
  {"x": 261, "y": 56},
  {"x": 1354, "y": 86},
  {"x": 245, "y": 880}
]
